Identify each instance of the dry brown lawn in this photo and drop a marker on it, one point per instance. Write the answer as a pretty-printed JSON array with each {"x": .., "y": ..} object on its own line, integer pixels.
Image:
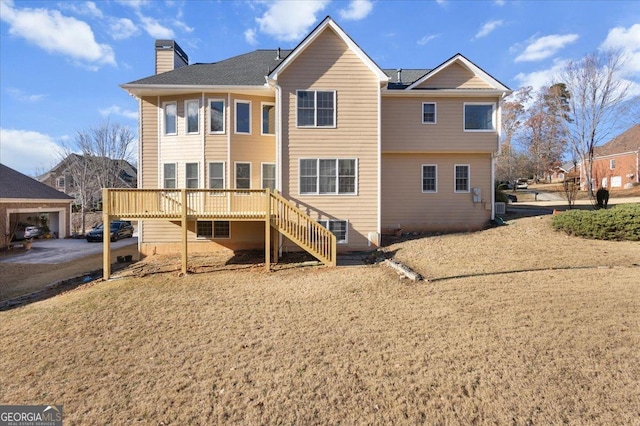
[{"x": 349, "y": 345}]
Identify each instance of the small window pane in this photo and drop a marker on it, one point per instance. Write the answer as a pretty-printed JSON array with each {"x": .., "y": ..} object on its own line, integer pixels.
[
  {"x": 478, "y": 117},
  {"x": 191, "y": 175},
  {"x": 462, "y": 178},
  {"x": 243, "y": 175},
  {"x": 429, "y": 178},
  {"x": 170, "y": 176},
  {"x": 327, "y": 176},
  {"x": 243, "y": 117},
  {"x": 221, "y": 229},
  {"x": 216, "y": 175},
  {"x": 428, "y": 113},
  {"x": 325, "y": 109},
  {"x": 306, "y": 108},
  {"x": 308, "y": 176},
  {"x": 268, "y": 119},
  {"x": 205, "y": 229},
  {"x": 216, "y": 116},
  {"x": 192, "y": 108},
  {"x": 339, "y": 229},
  {"x": 269, "y": 176},
  {"x": 170, "y": 113},
  {"x": 346, "y": 176}
]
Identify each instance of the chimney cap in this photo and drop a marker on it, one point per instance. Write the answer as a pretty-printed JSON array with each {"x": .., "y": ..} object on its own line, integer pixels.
[{"x": 172, "y": 45}]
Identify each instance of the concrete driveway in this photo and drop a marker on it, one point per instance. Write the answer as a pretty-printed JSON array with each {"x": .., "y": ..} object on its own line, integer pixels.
[{"x": 56, "y": 251}]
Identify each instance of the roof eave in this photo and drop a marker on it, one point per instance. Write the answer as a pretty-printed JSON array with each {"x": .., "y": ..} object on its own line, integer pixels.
[
  {"x": 445, "y": 93},
  {"x": 140, "y": 90}
]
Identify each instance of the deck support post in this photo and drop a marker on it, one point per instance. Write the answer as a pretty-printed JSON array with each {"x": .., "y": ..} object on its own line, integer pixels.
[
  {"x": 274, "y": 244},
  {"x": 184, "y": 231},
  {"x": 267, "y": 230},
  {"x": 106, "y": 235}
]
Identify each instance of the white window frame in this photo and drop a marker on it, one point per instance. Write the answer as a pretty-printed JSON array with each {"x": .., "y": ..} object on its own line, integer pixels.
[
  {"x": 224, "y": 116},
  {"x": 224, "y": 178},
  {"x": 315, "y": 109},
  {"x": 435, "y": 191},
  {"x": 455, "y": 179},
  {"x": 262, "y": 105},
  {"x": 213, "y": 230},
  {"x": 235, "y": 174},
  {"x": 612, "y": 164},
  {"x": 493, "y": 117},
  {"x": 60, "y": 179},
  {"x": 186, "y": 178},
  {"x": 186, "y": 116},
  {"x": 317, "y": 191},
  {"x": 262, "y": 174},
  {"x": 164, "y": 118},
  {"x": 175, "y": 175},
  {"x": 435, "y": 113},
  {"x": 236, "y": 102},
  {"x": 326, "y": 223}
]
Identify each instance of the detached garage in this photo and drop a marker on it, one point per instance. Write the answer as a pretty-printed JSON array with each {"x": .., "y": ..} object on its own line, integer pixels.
[{"x": 24, "y": 200}]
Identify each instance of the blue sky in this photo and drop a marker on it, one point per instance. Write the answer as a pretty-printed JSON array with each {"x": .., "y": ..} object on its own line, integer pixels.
[{"x": 61, "y": 61}]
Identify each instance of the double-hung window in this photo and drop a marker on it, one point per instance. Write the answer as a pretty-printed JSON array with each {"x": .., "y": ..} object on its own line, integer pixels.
[
  {"x": 316, "y": 108},
  {"x": 170, "y": 118},
  {"x": 429, "y": 178},
  {"x": 216, "y": 116},
  {"x": 243, "y": 117},
  {"x": 268, "y": 119},
  {"x": 338, "y": 228},
  {"x": 327, "y": 176},
  {"x": 479, "y": 117},
  {"x": 169, "y": 175},
  {"x": 243, "y": 175},
  {"x": 192, "y": 114},
  {"x": 268, "y": 176},
  {"x": 462, "y": 177},
  {"x": 428, "y": 113},
  {"x": 612, "y": 164},
  {"x": 191, "y": 175},
  {"x": 216, "y": 175}
]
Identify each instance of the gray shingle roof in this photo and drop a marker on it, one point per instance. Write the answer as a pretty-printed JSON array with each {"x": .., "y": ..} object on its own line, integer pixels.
[
  {"x": 249, "y": 69},
  {"x": 407, "y": 76},
  {"x": 14, "y": 184}
]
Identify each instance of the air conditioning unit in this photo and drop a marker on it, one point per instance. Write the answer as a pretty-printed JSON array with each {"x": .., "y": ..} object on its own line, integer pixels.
[{"x": 501, "y": 208}]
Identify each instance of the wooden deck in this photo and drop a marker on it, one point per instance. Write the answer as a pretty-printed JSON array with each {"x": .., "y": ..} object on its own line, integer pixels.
[{"x": 187, "y": 205}]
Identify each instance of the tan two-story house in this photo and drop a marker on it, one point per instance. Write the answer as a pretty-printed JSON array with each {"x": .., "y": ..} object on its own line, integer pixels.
[{"x": 359, "y": 150}]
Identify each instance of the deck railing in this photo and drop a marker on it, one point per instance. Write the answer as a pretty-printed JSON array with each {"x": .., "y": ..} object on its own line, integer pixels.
[{"x": 224, "y": 204}]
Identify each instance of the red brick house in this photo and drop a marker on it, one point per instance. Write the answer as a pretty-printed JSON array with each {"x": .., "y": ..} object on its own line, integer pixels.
[{"x": 616, "y": 164}]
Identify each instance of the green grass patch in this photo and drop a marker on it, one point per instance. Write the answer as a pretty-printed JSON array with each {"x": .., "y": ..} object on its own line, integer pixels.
[{"x": 617, "y": 223}]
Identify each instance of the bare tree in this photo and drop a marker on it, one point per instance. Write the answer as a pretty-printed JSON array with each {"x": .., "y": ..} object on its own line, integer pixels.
[
  {"x": 513, "y": 111},
  {"x": 596, "y": 104}
]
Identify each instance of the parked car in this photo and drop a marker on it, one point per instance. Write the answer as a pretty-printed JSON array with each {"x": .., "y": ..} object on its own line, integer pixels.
[
  {"x": 118, "y": 229},
  {"x": 19, "y": 232},
  {"x": 33, "y": 232},
  {"x": 504, "y": 185},
  {"x": 522, "y": 184}
]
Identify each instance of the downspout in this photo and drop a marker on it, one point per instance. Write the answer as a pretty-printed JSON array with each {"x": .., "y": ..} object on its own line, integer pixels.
[
  {"x": 227, "y": 118},
  {"x": 204, "y": 141},
  {"x": 379, "y": 195}
]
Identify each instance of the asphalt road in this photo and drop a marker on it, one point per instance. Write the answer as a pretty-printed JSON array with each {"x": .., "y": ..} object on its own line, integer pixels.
[{"x": 56, "y": 251}]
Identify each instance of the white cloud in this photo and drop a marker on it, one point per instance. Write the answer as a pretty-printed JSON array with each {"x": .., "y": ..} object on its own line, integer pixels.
[
  {"x": 426, "y": 39},
  {"x": 488, "y": 28},
  {"x": 290, "y": 20},
  {"x": 357, "y": 10},
  {"x": 116, "y": 110},
  {"x": 540, "y": 78},
  {"x": 88, "y": 8},
  {"x": 134, "y": 4},
  {"x": 499, "y": 2},
  {"x": 22, "y": 96},
  {"x": 154, "y": 28},
  {"x": 250, "y": 36},
  {"x": 122, "y": 29},
  {"x": 56, "y": 33},
  {"x": 19, "y": 145},
  {"x": 184, "y": 27},
  {"x": 627, "y": 41},
  {"x": 545, "y": 46}
]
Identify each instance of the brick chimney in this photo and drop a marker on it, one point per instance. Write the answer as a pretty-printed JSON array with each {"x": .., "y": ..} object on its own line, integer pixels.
[{"x": 169, "y": 56}]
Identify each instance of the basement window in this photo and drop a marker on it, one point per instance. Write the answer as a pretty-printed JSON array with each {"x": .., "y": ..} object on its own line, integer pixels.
[{"x": 214, "y": 229}]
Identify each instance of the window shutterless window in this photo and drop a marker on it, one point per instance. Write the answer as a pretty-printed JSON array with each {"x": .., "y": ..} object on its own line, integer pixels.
[
  {"x": 268, "y": 176},
  {"x": 429, "y": 178},
  {"x": 216, "y": 175},
  {"x": 243, "y": 175},
  {"x": 327, "y": 176},
  {"x": 428, "y": 113},
  {"x": 191, "y": 175},
  {"x": 338, "y": 228},
  {"x": 169, "y": 175},
  {"x": 243, "y": 117},
  {"x": 268, "y": 119},
  {"x": 612, "y": 164},
  {"x": 213, "y": 229},
  {"x": 192, "y": 114},
  {"x": 170, "y": 118},
  {"x": 316, "y": 108},
  {"x": 216, "y": 116},
  {"x": 479, "y": 117},
  {"x": 462, "y": 177}
]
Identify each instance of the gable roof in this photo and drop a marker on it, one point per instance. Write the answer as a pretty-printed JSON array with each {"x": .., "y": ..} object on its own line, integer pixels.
[
  {"x": 14, "y": 184},
  {"x": 628, "y": 141},
  {"x": 473, "y": 68},
  {"x": 327, "y": 23}
]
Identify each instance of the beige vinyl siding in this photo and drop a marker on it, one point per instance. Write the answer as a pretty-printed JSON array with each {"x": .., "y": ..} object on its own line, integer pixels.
[
  {"x": 328, "y": 64},
  {"x": 403, "y": 131},
  {"x": 455, "y": 76},
  {"x": 405, "y": 206},
  {"x": 254, "y": 148},
  {"x": 216, "y": 144},
  {"x": 149, "y": 141},
  {"x": 164, "y": 60},
  {"x": 164, "y": 238}
]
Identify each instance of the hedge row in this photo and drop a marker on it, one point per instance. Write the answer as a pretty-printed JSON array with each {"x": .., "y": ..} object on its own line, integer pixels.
[{"x": 617, "y": 223}]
